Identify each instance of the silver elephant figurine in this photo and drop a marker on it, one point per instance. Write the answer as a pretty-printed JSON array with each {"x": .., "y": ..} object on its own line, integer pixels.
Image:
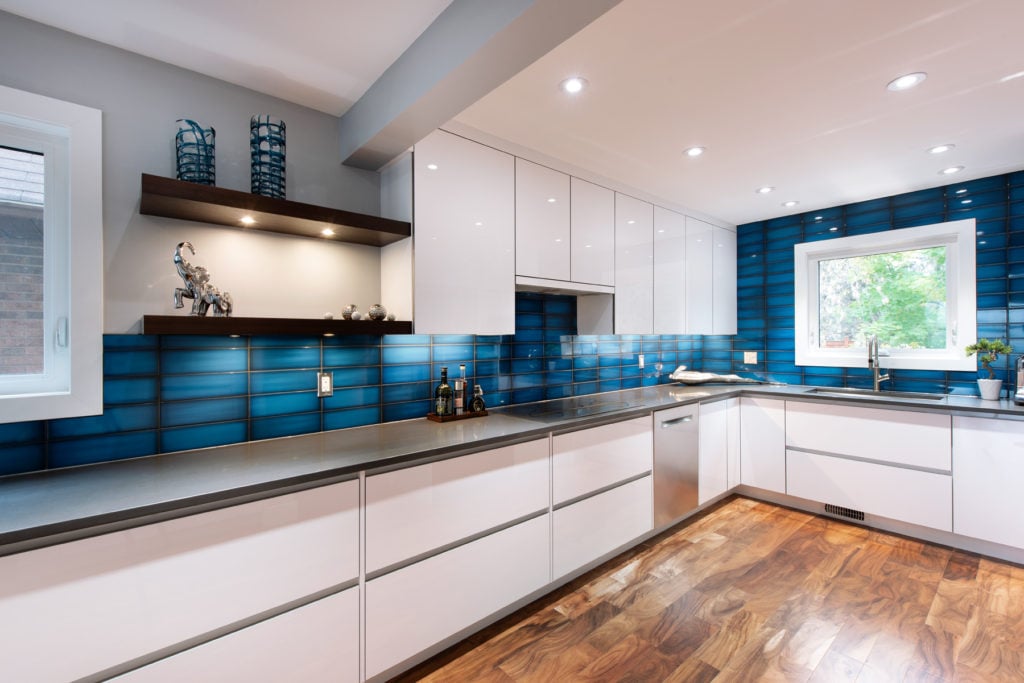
[{"x": 198, "y": 288}]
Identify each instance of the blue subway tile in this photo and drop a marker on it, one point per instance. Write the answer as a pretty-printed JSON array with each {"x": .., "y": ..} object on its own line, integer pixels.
[
  {"x": 405, "y": 339},
  {"x": 113, "y": 420},
  {"x": 188, "y": 362},
  {"x": 405, "y": 411},
  {"x": 353, "y": 417},
  {"x": 283, "y": 341},
  {"x": 276, "y": 381},
  {"x": 130, "y": 341},
  {"x": 203, "y": 436},
  {"x": 19, "y": 459},
  {"x": 181, "y": 387},
  {"x": 135, "y": 362},
  {"x": 177, "y": 413},
  {"x": 102, "y": 448},
  {"x": 22, "y": 432},
  {"x": 350, "y": 356},
  {"x": 285, "y": 425},
  {"x": 405, "y": 354},
  {"x": 360, "y": 376},
  {"x": 452, "y": 339},
  {"x": 453, "y": 352},
  {"x": 283, "y": 404},
  {"x": 191, "y": 341},
  {"x": 285, "y": 358},
  {"x": 132, "y": 390},
  {"x": 353, "y": 398}
]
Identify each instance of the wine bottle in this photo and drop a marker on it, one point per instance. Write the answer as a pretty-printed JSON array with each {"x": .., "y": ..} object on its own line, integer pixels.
[
  {"x": 443, "y": 399},
  {"x": 461, "y": 393},
  {"x": 477, "y": 404}
]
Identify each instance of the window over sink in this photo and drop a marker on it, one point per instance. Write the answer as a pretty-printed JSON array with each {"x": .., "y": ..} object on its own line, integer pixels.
[{"x": 913, "y": 288}]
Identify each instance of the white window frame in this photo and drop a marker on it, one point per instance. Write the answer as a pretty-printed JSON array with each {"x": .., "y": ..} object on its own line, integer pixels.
[
  {"x": 70, "y": 135},
  {"x": 961, "y": 296}
]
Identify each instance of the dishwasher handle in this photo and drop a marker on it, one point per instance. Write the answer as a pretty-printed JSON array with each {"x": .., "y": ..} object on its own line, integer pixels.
[{"x": 679, "y": 420}]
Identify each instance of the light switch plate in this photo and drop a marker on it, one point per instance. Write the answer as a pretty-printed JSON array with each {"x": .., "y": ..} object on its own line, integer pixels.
[
  {"x": 640, "y": 360},
  {"x": 324, "y": 384},
  {"x": 750, "y": 357}
]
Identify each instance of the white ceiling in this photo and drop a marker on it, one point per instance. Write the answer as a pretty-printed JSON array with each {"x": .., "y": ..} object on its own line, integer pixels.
[{"x": 787, "y": 93}]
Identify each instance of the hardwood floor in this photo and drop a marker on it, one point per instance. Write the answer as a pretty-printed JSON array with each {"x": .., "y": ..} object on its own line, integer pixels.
[{"x": 752, "y": 591}]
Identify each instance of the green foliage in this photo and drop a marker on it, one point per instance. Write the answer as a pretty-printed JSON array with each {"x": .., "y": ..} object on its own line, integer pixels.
[
  {"x": 898, "y": 296},
  {"x": 988, "y": 353}
]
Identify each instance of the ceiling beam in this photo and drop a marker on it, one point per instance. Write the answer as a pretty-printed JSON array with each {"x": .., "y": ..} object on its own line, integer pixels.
[{"x": 470, "y": 49}]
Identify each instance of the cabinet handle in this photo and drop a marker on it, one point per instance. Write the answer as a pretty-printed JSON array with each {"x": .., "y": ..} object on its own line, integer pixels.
[{"x": 668, "y": 423}]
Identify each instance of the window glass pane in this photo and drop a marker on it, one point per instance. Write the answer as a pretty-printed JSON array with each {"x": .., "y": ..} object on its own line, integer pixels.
[
  {"x": 899, "y": 296},
  {"x": 21, "y": 262}
]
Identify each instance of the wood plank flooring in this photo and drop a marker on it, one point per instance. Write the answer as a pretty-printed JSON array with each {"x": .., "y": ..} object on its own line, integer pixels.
[{"x": 756, "y": 592}]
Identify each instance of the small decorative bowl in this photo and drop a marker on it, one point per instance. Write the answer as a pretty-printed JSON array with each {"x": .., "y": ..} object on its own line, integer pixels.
[{"x": 347, "y": 312}]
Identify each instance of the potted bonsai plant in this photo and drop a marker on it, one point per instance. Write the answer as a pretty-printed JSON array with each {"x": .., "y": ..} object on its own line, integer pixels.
[{"x": 988, "y": 352}]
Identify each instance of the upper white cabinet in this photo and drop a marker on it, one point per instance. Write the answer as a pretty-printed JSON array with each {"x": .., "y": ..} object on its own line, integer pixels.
[
  {"x": 669, "y": 271},
  {"x": 634, "y": 265},
  {"x": 699, "y": 272},
  {"x": 464, "y": 237},
  {"x": 723, "y": 283},
  {"x": 542, "y": 222},
  {"x": 593, "y": 233}
]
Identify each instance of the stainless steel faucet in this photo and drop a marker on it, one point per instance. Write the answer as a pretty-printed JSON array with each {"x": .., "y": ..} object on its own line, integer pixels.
[{"x": 873, "y": 362}]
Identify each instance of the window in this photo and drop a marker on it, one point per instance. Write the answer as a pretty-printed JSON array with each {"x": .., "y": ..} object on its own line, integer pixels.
[
  {"x": 913, "y": 288},
  {"x": 51, "y": 265}
]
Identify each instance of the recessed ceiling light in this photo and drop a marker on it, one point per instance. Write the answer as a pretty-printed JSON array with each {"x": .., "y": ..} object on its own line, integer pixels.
[
  {"x": 630, "y": 222},
  {"x": 574, "y": 84},
  {"x": 834, "y": 229},
  {"x": 247, "y": 220},
  {"x": 1011, "y": 77},
  {"x": 951, "y": 170},
  {"x": 966, "y": 201},
  {"x": 790, "y": 203},
  {"x": 818, "y": 218},
  {"x": 431, "y": 167},
  {"x": 962, "y": 190},
  {"x": 327, "y": 232},
  {"x": 551, "y": 200},
  {"x": 765, "y": 190},
  {"x": 939, "y": 149},
  {"x": 694, "y": 151},
  {"x": 479, "y": 224},
  {"x": 907, "y": 82}
]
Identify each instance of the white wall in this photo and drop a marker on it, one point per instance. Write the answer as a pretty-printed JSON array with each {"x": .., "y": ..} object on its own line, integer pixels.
[{"x": 268, "y": 275}]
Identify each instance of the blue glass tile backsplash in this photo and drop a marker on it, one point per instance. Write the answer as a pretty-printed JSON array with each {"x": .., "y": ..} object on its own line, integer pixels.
[
  {"x": 765, "y": 284},
  {"x": 172, "y": 393}
]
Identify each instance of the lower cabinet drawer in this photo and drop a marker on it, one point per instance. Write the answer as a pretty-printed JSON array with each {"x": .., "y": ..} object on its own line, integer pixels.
[
  {"x": 924, "y": 498},
  {"x": 418, "y": 606},
  {"x": 317, "y": 642},
  {"x": 586, "y": 530},
  {"x": 128, "y": 594}
]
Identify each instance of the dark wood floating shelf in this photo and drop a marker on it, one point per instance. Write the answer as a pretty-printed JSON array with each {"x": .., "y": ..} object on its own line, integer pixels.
[
  {"x": 187, "y": 324},
  {"x": 207, "y": 204}
]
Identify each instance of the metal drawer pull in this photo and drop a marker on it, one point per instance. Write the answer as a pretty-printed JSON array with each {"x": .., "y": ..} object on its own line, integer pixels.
[{"x": 669, "y": 423}]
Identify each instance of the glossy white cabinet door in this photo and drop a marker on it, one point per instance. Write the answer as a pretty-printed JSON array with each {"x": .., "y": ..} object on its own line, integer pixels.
[
  {"x": 763, "y": 443},
  {"x": 669, "y": 272},
  {"x": 463, "y": 237},
  {"x": 593, "y": 233},
  {"x": 129, "y": 593},
  {"x": 634, "y": 265},
  {"x": 699, "y": 276},
  {"x": 419, "y": 509},
  {"x": 420, "y": 605},
  {"x": 595, "y": 526},
  {"x": 713, "y": 472},
  {"x": 893, "y": 436},
  {"x": 542, "y": 221},
  {"x": 733, "y": 429},
  {"x": 723, "y": 294},
  {"x": 988, "y": 478},
  {"x": 923, "y": 498},
  {"x": 316, "y": 642},
  {"x": 590, "y": 459}
]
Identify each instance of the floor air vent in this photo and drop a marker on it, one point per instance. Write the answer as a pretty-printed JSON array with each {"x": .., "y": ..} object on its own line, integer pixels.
[{"x": 844, "y": 512}]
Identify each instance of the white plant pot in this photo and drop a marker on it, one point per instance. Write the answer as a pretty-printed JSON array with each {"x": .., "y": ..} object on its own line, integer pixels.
[{"x": 990, "y": 388}]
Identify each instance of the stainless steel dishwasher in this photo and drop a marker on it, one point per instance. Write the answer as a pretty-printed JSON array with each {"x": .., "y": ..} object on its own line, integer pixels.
[{"x": 676, "y": 444}]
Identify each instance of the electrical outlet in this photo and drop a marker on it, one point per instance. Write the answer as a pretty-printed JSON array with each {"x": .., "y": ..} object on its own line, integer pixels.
[
  {"x": 750, "y": 357},
  {"x": 324, "y": 384},
  {"x": 640, "y": 360}
]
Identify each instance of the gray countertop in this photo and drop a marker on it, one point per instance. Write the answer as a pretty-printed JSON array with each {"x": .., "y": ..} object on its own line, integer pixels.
[{"x": 43, "y": 508}]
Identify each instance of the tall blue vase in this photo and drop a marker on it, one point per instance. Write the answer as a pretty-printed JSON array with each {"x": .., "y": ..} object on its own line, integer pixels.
[
  {"x": 267, "y": 150},
  {"x": 195, "y": 149}
]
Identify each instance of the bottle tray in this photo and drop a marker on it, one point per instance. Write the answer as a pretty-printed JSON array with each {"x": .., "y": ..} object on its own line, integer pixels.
[{"x": 451, "y": 418}]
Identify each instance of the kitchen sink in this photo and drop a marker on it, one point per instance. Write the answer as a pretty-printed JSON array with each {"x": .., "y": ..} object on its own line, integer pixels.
[{"x": 874, "y": 395}]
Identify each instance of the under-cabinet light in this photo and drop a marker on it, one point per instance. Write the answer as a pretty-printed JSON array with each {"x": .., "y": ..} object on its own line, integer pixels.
[{"x": 247, "y": 220}]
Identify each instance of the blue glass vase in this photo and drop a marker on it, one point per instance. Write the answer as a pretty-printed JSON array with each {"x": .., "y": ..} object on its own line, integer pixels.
[
  {"x": 195, "y": 149},
  {"x": 267, "y": 149}
]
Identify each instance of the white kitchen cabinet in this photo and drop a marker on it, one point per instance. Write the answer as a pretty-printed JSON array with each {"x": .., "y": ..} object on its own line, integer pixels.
[
  {"x": 891, "y": 436},
  {"x": 595, "y": 526},
  {"x": 413, "y": 608},
  {"x": 669, "y": 272},
  {"x": 988, "y": 477},
  {"x": 733, "y": 430},
  {"x": 463, "y": 237},
  {"x": 542, "y": 222},
  {"x": 763, "y": 443},
  {"x": 713, "y": 467},
  {"x": 418, "y": 509},
  {"x": 130, "y": 593},
  {"x": 699, "y": 273},
  {"x": 634, "y": 265},
  {"x": 906, "y": 495},
  {"x": 723, "y": 287},
  {"x": 590, "y": 459},
  {"x": 316, "y": 642},
  {"x": 593, "y": 233}
]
